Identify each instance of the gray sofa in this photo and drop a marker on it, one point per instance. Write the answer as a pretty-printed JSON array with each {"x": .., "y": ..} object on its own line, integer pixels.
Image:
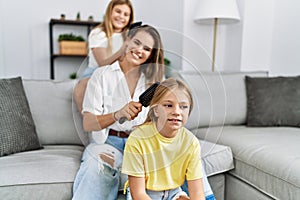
[
  {"x": 49, "y": 173},
  {"x": 266, "y": 158},
  {"x": 264, "y": 164}
]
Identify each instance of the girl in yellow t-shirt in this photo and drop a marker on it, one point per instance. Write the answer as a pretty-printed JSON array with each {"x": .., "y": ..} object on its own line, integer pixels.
[{"x": 161, "y": 154}]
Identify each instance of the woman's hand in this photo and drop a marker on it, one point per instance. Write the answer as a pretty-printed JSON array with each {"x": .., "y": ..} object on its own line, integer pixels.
[{"x": 129, "y": 111}]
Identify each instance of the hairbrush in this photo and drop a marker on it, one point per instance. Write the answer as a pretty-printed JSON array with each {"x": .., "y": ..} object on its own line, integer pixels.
[
  {"x": 133, "y": 25},
  {"x": 145, "y": 98}
]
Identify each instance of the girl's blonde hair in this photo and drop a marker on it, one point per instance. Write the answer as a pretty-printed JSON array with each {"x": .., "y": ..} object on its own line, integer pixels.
[
  {"x": 162, "y": 90},
  {"x": 154, "y": 67},
  {"x": 107, "y": 26}
]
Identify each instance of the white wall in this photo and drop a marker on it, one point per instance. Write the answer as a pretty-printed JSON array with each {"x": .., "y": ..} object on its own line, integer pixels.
[
  {"x": 2, "y": 62},
  {"x": 266, "y": 38},
  {"x": 200, "y": 36},
  {"x": 25, "y": 38},
  {"x": 257, "y": 35},
  {"x": 167, "y": 17},
  {"x": 285, "y": 58}
]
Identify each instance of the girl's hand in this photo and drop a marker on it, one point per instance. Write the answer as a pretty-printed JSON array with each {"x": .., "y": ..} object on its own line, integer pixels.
[
  {"x": 129, "y": 111},
  {"x": 124, "y": 46}
]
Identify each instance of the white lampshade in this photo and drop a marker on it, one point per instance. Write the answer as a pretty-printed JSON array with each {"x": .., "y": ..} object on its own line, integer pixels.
[{"x": 225, "y": 11}]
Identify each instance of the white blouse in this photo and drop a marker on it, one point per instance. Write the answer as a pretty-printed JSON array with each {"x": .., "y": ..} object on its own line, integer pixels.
[{"x": 107, "y": 91}]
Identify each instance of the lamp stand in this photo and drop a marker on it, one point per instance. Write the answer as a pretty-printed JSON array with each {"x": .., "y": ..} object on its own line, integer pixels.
[{"x": 214, "y": 44}]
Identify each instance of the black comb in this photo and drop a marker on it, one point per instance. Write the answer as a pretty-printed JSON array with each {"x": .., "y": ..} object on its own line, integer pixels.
[
  {"x": 144, "y": 98},
  {"x": 134, "y": 25}
]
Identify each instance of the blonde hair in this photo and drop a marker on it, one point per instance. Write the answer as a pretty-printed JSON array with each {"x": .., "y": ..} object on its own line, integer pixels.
[
  {"x": 162, "y": 90},
  {"x": 107, "y": 26},
  {"x": 154, "y": 67}
]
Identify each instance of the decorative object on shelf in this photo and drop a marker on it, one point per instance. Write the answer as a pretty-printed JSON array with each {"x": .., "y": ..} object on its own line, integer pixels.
[
  {"x": 223, "y": 11},
  {"x": 84, "y": 25},
  {"x": 91, "y": 18},
  {"x": 70, "y": 37},
  {"x": 73, "y": 75},
  {"x": 62, "y": 17},
  {"x": 168, "y": 68},
  {"x": 70, "y": 44},
  {"x": 78, "y": 16}
]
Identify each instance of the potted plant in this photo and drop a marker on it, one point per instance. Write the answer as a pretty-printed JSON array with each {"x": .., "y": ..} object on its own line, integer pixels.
[
  {"x": 70, "y": 44},
  {"x": 73, "y": 75},
  {"x": 168, "y": 68},
  {"x": 78, "y": 16},
  {"x": 62, "y": 16},
  {"x": 91, "y": 18}
]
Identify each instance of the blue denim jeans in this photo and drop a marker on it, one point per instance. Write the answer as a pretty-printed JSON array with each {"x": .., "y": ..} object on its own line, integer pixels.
[
  {"x": 87, "y": 73},
  {"x": 95, "y": 179},
  {"x": 158, "y": 195},
  {"x": 171, "y": 193}
]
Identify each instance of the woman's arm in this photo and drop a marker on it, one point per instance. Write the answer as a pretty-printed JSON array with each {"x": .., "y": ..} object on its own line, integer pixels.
[
  {"x": 137, "y": 188},
  {"x": 92, "y": 122},
  {"x": 196, "y": 190}
]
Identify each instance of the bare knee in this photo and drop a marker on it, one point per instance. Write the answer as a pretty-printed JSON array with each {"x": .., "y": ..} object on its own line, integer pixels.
[{"x": 108, "y": 159}]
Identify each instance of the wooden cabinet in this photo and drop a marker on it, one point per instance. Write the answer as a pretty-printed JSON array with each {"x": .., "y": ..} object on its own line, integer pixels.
[{"x": 57, "y": 22}]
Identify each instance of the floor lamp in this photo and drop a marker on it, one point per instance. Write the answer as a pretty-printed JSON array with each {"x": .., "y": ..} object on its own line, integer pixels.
[{"x": 216, "y": 11}]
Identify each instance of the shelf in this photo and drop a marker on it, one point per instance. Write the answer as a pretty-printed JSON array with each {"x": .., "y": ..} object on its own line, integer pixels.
[
  {"x": 65, "y": 55},
  {"x": 53, "y": 22},
  {"x": 74, "y": 22}
]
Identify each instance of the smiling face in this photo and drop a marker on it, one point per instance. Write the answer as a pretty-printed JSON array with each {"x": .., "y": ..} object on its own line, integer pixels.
[
  {"x": 172, "y": 112},
  {"x": 139, "y": 48},
  {"x": 120, "y": 17}
]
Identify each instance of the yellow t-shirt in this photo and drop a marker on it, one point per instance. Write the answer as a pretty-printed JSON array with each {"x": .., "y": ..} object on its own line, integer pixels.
[{"x": 164, "y": 162}]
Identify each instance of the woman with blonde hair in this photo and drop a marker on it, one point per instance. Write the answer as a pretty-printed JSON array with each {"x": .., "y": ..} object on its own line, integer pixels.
[{"x": 106, "y": 42}]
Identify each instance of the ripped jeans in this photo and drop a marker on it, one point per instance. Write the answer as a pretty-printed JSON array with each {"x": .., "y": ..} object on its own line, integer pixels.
[{"x": 96, "y": 179}]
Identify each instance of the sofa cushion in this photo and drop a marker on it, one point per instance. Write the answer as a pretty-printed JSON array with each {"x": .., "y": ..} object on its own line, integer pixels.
[
  {"x": 219, "y": 98},
  {"x": 53, "y": 164},
  {"x": 56, "y": 117},
  {"x": 17, "y": 132},
  {"x": 273, "y": 101},
  {"x": 265, "y": 157},
  {"x": 57, "y": 191},
  {"x": 216, "y": 158}
]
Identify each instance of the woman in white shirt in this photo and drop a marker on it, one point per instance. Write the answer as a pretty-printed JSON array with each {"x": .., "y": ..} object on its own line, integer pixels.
[{"x": 112, "y": 93}]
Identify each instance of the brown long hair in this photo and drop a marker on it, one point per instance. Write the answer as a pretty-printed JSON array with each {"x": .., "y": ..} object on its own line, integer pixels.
[
  {"x": 154, "y": 67},
  {"x": 162, "y": 90},
  {"x": 107, "y": 26}
]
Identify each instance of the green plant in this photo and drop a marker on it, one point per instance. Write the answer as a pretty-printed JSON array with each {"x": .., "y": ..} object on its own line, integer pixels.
[
  {"x": 168, "y": 68},
  {"x": 70, "y": 37},
  {"x": 62, "y": 16},
  {"x": 91, "y": 18},
  {"x": 73, "y": 75},
  {"x": 78, "y": 16},
  {"x": 167, "y": 62}
]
